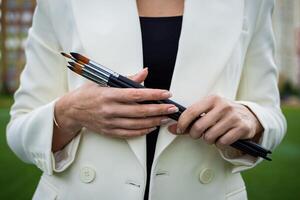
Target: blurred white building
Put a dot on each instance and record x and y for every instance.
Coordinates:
(15, 17)
(286, 20)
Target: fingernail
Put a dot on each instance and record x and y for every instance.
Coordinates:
(167, 94)
(178, 131)
(165, 121)
(152, 129)
(173, 110)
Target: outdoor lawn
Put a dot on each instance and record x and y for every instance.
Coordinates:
(279, 179)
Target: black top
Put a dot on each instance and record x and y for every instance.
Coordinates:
(160, 36)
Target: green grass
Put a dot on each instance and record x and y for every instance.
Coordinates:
(17, 179)
(279, 179)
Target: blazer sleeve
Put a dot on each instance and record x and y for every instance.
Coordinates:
(42, 82)
(258, 89)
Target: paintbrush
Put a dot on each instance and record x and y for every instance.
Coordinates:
(106, 77)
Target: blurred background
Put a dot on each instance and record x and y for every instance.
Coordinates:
(279, 179)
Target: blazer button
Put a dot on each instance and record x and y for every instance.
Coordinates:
(206, 175)
(87, 174)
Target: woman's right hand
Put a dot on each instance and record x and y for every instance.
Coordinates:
(113, 111)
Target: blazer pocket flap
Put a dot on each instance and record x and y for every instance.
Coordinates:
(239, 194)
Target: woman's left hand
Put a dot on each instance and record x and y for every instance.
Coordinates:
(222, 123)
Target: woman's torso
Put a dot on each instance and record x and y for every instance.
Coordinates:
(184, 166)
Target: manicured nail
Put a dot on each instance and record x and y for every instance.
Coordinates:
(167, 94)
(165, 121)
(178, 131)
(173, 110)
(152, 129)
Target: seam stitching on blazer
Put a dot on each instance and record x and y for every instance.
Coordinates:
(51, 23)
(41, 42)
(76, 27)
(54, 34)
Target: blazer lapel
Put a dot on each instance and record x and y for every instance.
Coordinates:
(210, 31)
(110, 33)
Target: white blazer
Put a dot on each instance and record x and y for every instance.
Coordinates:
(225, 48)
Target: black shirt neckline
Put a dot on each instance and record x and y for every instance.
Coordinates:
(161, 18)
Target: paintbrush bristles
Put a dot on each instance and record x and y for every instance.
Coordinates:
(72, 69)
(80, 57)
(77, 68)
(70, 57)
(66, 55)
(78, 61)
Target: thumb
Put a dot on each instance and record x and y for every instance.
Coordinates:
(140, 76)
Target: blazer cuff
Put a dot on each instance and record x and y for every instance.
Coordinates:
(38, 142)
(62, 159)
(35, 142)
(242, 162)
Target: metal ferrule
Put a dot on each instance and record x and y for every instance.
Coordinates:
(98, 69)
(107, 70)
(97, 75)
(94, 78)
(97, 72)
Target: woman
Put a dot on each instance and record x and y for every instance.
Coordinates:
(215, 57)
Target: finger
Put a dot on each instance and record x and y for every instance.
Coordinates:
(141, 110)
(140, 76)
(228, 138)
(204, 123)
(131, 95)
(136, 123)
(191, 114)
(127, 133)
(212, 134)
